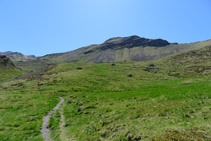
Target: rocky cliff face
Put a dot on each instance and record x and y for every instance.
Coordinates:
(129, 42)
(134, 41)
(5, 62)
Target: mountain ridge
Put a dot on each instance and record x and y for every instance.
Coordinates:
(17, 56)
(117, 49)
(101, 53)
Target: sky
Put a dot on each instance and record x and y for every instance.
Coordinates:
(41, 27)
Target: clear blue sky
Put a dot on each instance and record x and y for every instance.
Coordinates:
(50, 26)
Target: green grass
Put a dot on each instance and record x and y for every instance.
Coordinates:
(147, 112)
(54, 124)
(146, 105)
(7, 73)
(22, 108)
(103, 103)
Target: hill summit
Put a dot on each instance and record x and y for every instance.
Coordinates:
(117, 43)
(133, 41)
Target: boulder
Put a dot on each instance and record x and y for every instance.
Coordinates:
(130, 75)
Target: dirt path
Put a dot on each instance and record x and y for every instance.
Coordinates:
(45, 130)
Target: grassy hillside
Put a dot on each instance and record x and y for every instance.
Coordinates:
(104, 102)
(195, 63)
(8, 73)
(194, 57)
(109, 105)
(7, 69)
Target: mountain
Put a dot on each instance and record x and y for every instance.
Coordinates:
(131, 48)
(152, 100)
(118, 49)
(16, 56)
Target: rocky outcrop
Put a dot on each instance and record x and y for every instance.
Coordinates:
(135, 41)
(129, 42)
(5, 62)
(18, 57)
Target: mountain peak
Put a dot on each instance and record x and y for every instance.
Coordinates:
(132, 41)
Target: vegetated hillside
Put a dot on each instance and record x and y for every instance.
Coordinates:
(119, 49)
(16, 56)
(111, 101)
(7, 68)
(194, 57)
(188, 63)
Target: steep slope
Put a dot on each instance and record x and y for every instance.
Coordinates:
(16, 56)
(7, 68)
(5, 62)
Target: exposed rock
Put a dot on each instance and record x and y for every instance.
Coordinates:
(152, 68)
(79, 68)
(132, 41)
(130, 75)
(187, 116)
(69, 101)
(113, 64)
(79, 110)
(90, 107)
(61, 91)
(18, 84)
(205, 118)
(129, 136)
(128, 42)
(79, 104)
(104, 123)
(5, 62)
(104, 134)
(137, 138)
(151, 65)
